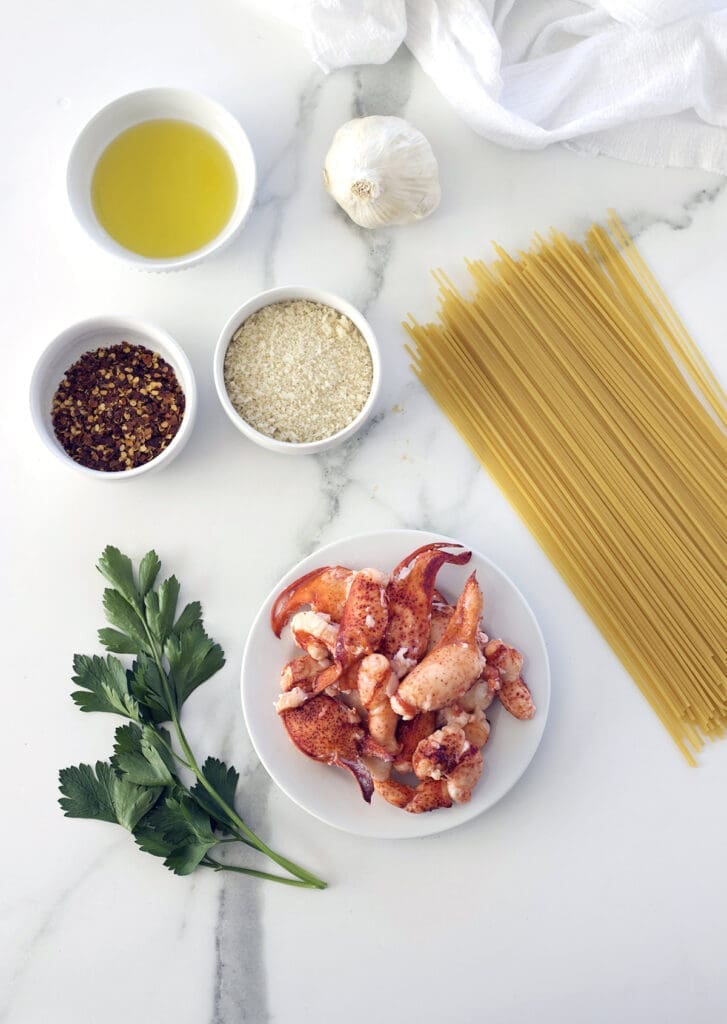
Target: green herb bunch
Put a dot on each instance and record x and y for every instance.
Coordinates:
(141, 787)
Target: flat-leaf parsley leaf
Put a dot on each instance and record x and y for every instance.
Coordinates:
(143, 787)
(104, 795)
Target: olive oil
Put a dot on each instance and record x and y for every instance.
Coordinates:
(164, 188)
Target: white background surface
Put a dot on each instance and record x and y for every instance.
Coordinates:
(595, 891)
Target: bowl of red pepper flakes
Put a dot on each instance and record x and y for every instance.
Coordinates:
(114, 397)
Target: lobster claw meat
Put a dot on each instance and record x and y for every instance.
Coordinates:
(301, 671)
(362, 624)
(409, 734)
(514, 694)
(448, 755)
(325, 590)
(429, 795)
(409, 595)
(330, 732)
(314, 633)
(364, 618)
(450, 668)
(376, 682)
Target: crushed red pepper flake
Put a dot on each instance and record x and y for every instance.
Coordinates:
(117, 407)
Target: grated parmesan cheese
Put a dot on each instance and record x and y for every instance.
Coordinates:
(298, 371)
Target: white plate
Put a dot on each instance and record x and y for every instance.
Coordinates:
(331, 794)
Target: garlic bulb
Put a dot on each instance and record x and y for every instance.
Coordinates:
(381, 170)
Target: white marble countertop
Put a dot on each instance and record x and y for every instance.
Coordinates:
(595, 891)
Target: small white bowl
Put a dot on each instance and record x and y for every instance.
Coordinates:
(147, 105)
(286, 294)
(86, 336)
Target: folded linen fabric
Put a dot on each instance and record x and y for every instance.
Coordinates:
(643, 80)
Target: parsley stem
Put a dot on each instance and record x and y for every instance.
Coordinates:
(172, 751)
(209, 862)
(237, 838)
(245, 834)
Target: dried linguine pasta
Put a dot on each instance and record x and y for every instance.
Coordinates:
(574, 382)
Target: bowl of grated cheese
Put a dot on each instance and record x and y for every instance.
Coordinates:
(297, 370)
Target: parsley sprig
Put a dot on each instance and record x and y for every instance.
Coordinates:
(140, 787)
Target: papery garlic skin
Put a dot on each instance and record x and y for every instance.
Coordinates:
(382, 171)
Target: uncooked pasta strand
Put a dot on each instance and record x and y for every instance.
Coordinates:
(575, 383)
(689, 732)
(685, 347)
(642, 509)
(616, 424)
(620, 569)
(536, 514)
(645, 511)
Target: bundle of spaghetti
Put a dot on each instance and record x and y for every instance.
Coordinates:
(574, 382)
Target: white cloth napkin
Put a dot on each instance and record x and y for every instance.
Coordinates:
(643, 80)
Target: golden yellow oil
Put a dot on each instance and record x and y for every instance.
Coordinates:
(164, 188)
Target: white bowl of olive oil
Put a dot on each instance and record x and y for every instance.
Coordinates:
(162, 178)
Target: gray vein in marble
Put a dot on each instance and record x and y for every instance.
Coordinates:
(240, 989)
(638, 223)
(383, 89)
(424, 516)
(288, 163)
(50, 919)
(380, 89)
(189, 894)
(461, 507)
(378, 257)
(335, 468)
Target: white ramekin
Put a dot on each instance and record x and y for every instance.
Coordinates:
(86, 336)
(147, 105)
(285, 294)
